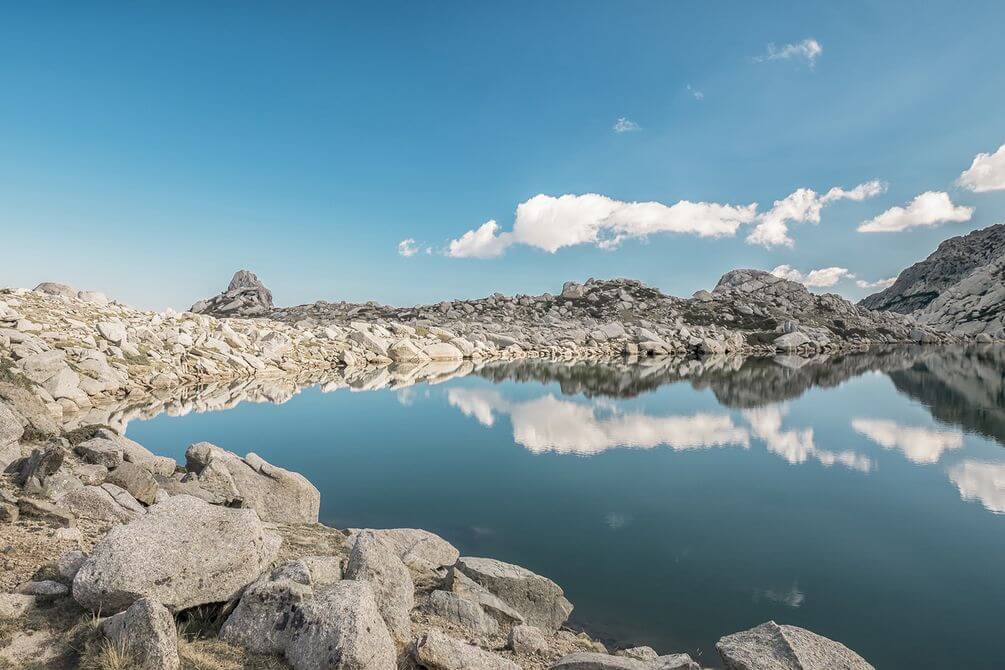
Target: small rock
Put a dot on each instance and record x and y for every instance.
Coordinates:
(147, 634)
(464, 613)
(437, 651)
(46, 589)
(527, 640)
(540, 600)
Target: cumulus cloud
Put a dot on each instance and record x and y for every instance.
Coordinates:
(878, 284)
(809, 50)
(981, 481)
(920, 445)
(931, 208)
(802, 206)
(986, 173)
(821, 278)
(551, 223)
(625, 125)
(484, 242)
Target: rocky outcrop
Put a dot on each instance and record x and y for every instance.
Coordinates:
(146, 634)
(919, 285)
(277, 495)
(774, 647)
(374, 560)
(183, 552)
(973, 306)
(246, 296)
(540, 601)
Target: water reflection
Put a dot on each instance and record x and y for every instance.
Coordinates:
(964, 388)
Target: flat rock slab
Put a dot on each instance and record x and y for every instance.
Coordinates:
(437, 651)
(774, 647)
(540, 600)
(182, 553)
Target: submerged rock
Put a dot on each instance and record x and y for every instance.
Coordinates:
(771, 646)
(182, 553)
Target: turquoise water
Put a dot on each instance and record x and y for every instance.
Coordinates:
(676, 509)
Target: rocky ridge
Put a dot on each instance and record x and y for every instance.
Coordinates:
(959, 288)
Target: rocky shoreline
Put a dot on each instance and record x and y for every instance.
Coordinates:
(115, 557)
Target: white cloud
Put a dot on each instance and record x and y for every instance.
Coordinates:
(821, 278)
(485, 242)
(408, 248)
(878, 284)
(986, 173)
(624, 125)
(981, 481)
(920, 445)
(550, 223)
(931, 208)
(809, 50)
(802, 206)
(695, 93)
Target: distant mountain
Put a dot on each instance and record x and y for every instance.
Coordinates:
(923, 282)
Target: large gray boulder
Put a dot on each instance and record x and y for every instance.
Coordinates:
(146, 633)
(342, 630)
(437, 651)
(136, 453)
(374, 560)
(426, 554)
(540, 600)
(468, 589)
(267, 615)
(278, 495)
(183, 552)
(102, 503)
(137, 481)
(775, 647)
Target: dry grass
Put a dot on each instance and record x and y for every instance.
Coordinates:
(217, 655)
(106, 655)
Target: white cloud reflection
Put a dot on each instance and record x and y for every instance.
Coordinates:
(920, 445)
(981, 481)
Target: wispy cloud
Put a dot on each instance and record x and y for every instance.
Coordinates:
(931, 208)
(821, 278)
(408, 248)
(625, 125)
(695, 93)
(986, 173)
(552, 223)
(809, 50)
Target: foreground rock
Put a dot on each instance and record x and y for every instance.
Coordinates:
(774, 647)
(437, 651)
(597, 661)
(540, 601)
(147, 635)
(277, 495)
(182, 553)
(427, 555)
(374, 560)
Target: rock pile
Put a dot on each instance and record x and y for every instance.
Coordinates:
(245, 297)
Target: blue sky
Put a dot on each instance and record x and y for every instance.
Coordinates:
(150, 149)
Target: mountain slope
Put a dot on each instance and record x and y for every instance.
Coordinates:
(923, 282)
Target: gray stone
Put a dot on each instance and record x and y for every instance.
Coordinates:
(774, 647)
(45, 510)
(268, 614)
(464, 613)
(136, 480)
(38, 467)
(426, 554)
(374, 560)
(278, 495)
(436, 651)
(540, 600)
(133, 452)
(97, 503)
(183, 552)
(639, 653)
(11, 427)
(468, 589)
(113, 331)
(527, 640)
(599, 661)
(342, 630)
(100, 451)
(790, 341)
(14, 605)
(573, 291)
(45, 589)
(69, 564)
(90, 475)
(54, 288)
(147, 634)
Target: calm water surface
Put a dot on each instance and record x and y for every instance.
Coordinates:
(861, 497)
